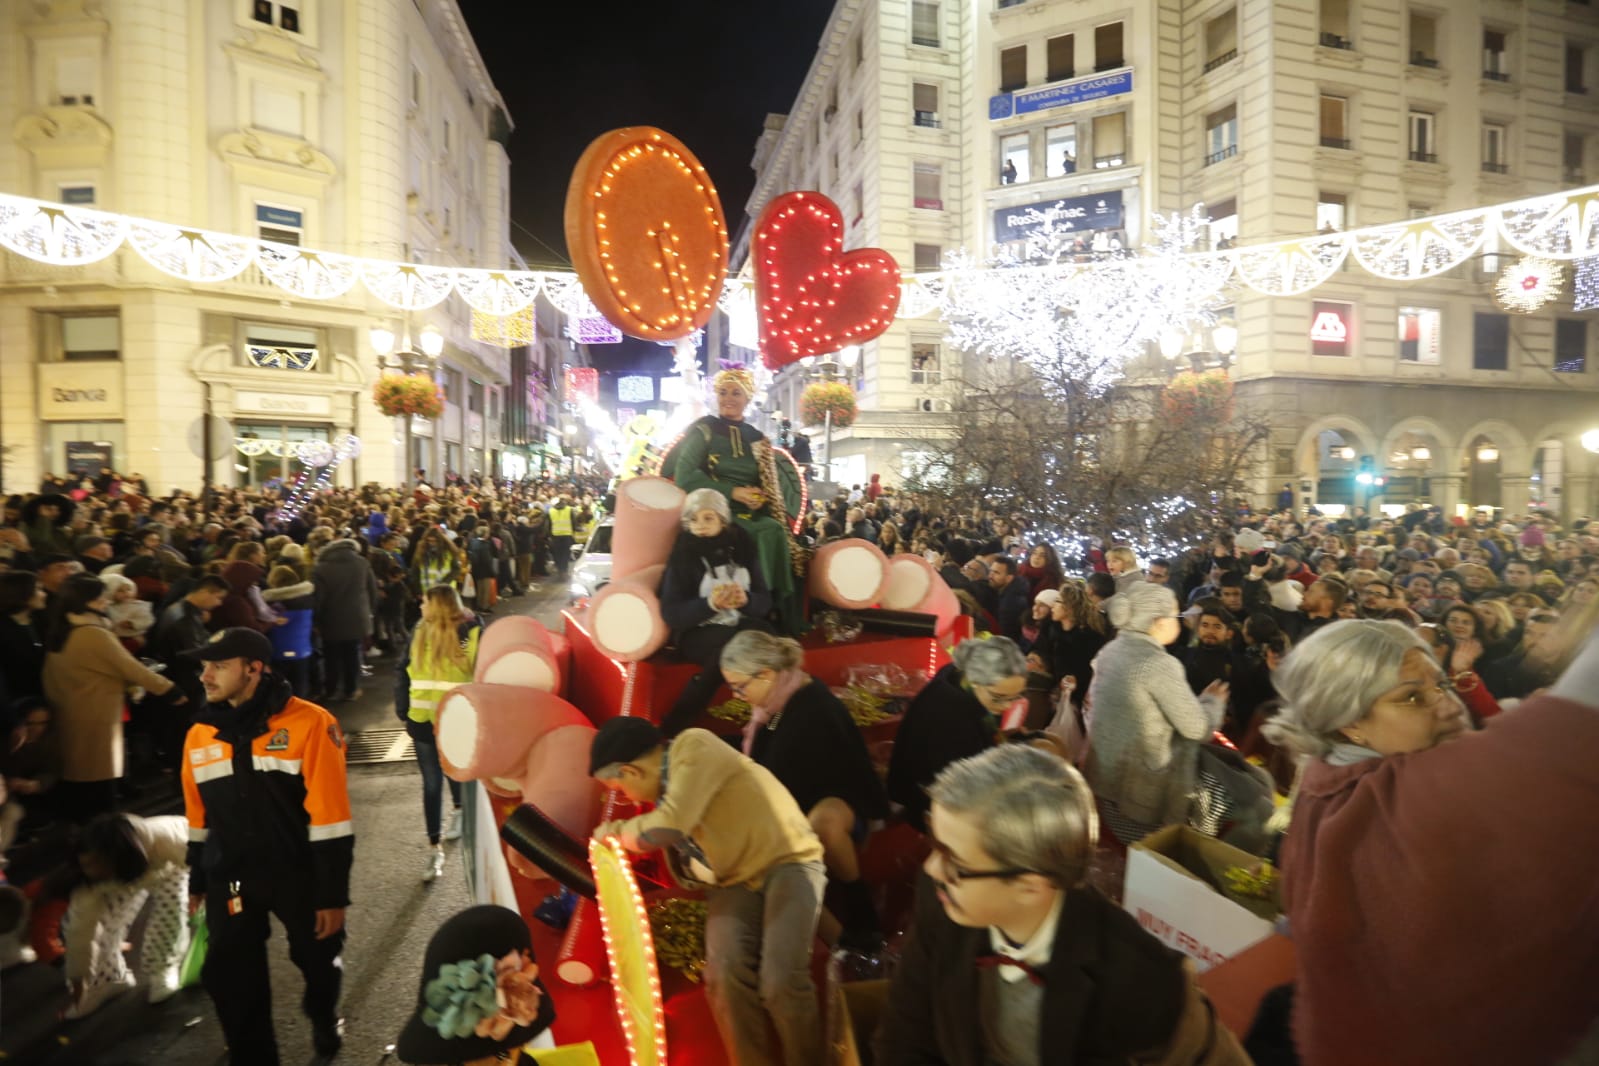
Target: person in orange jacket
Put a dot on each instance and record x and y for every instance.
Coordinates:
(269, 833)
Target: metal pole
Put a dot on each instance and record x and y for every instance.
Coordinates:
(828, 445)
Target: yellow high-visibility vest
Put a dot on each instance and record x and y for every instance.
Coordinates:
(560, 521)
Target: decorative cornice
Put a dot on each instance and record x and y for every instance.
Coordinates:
(56, 128)
(276, 50)
(288, 155)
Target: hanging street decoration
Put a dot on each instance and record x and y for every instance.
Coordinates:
(645, 230)
(582, 385)
(1585, 285)
(1561, 226)
(504, 331)
(1528, 284)
(811, 295)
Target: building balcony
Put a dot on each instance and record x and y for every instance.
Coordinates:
(1575, 176)
(1221, 60)
(927, 120)
(1342, 143)
(1495, 168)
(1226, 153)
(1496, 75)
(1423, 157)
(1333, 40)
(927, 203)
(1426, 61)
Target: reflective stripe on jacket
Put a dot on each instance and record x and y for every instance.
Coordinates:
(430, 681)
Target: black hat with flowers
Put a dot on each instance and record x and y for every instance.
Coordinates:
(479, 992)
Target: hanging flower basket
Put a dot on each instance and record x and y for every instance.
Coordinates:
(1205, 395)
(408, 394)
(825, 396)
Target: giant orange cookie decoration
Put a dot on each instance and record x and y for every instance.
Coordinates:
(645, 230)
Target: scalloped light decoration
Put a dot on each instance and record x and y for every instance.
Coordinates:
(1564, 226)
(504, 331)
(1527, 284)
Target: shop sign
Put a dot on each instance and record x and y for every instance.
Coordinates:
(1103, 211)
(80, 392)
(1061, 94)
(294, 404)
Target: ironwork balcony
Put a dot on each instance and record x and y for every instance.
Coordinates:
(927, 120)
(1495, 168)
(1333, 40)
(1226, 153)
(1422, 60)
(1221, 60)
(1335, 142)
(1496, 75)
(1423, 157)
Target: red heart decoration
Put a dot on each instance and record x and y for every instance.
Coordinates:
(812, 296)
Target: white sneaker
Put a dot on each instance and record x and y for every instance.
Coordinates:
(165, 985)
(435, 865)
(453, 830)
(96, 995)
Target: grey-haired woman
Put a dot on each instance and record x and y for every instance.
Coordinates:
(712, 589)
(956, 716)
(1411, 860)
(1145, 724)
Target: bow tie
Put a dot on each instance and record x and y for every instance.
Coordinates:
(991, 962)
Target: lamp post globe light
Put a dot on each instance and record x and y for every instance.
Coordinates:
(408, 360)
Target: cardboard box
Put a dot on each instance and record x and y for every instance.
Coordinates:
(856, 1009)
(1175, 888)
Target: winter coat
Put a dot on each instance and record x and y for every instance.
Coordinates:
(166, 844)
(297, 604)
(346, 592)
(944, 723)
(21, 657)
(1145, 727)
(244, 606)
(87, 682)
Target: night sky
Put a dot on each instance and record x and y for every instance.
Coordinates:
(707, 71)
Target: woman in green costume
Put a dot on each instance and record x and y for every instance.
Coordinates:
(725, 453)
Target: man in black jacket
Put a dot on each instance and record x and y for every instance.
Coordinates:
(269, 834)
(1012, 958)
(1014, 602)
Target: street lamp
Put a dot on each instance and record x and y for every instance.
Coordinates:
(1590, 440)
(409, 361)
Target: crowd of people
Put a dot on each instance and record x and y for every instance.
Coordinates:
(1287, 673)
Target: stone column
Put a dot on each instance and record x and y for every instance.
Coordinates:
(1577, 501)
(1514, 492)
(1445, 492)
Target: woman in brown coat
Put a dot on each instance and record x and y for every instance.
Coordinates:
(244, 605)
(87, 673)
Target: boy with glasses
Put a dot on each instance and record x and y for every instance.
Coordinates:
(1013, 959)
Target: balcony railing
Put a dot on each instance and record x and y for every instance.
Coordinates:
(1575, 176)
(1109, 162)
(927, 119)
(1421, 60)
(924, 38)
(1495, 168)
(1423, 157)
(927, 203)
(1333, 40)
(1226, 153)
(1221, 60)
(1335, 142)
(1102, 68)
(1496, 75)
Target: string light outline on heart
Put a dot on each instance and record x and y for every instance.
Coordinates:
(800, 323)
(636, 200)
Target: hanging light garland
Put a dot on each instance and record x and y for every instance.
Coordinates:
(1527, 284)
(504, 331)
(1562, 226)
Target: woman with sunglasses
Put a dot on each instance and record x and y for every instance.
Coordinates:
(1012, 958)
(1419, 938)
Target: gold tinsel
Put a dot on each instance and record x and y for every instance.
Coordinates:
(1252, 882)
(508, 331)
(678, 926)
(734, 710)
(865, 706)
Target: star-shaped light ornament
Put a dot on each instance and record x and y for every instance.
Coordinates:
(1527, 284)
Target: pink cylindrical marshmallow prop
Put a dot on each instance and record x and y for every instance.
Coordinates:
(487, 731)
(557, 781)
(913, 585)
(849, 573)
(625, 617)
(517, 650)
(649, 511)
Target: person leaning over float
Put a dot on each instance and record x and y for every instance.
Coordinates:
(726, 453)
(805, 736)
(711, 590)
(1406, 863)
(729, 826)
(1013, 959)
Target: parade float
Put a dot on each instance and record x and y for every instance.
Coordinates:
(624, 943)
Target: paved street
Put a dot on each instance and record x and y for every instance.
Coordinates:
(390, 921)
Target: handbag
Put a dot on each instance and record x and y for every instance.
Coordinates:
(1234, 800)
(1067, 725)
(194, 958)
(468, 587)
